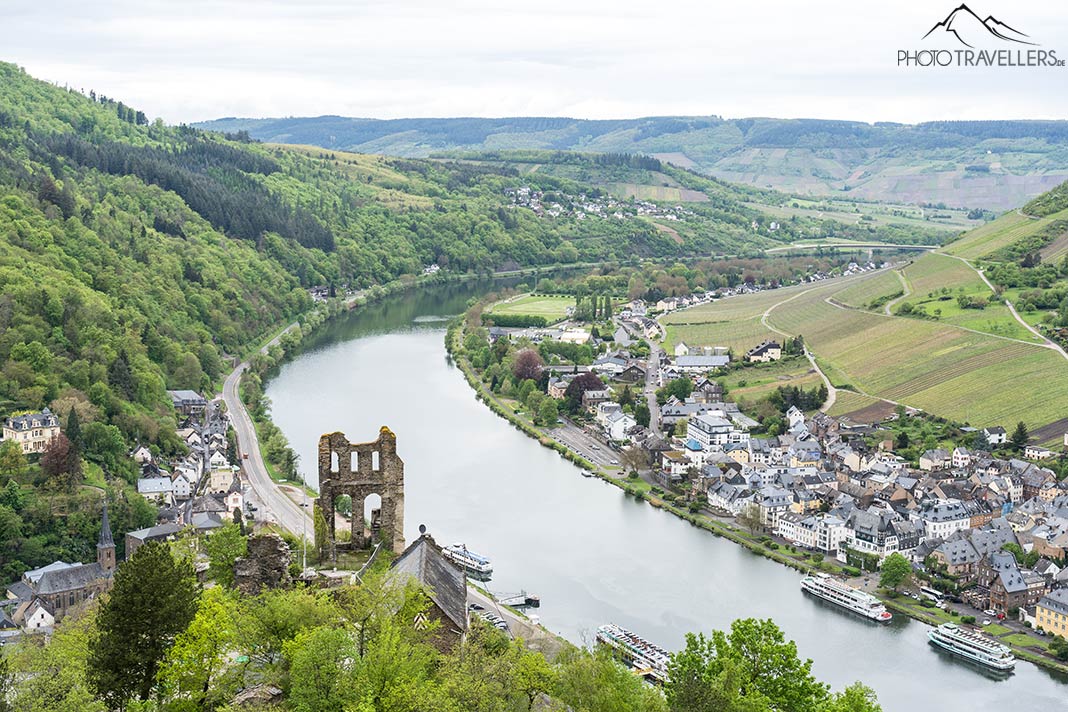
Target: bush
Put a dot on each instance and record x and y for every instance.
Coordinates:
(772, 545)
(967, 619)
(927, 603)
(850, 571)
(817, 558)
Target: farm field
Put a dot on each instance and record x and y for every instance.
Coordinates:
(551, 307)
(928, 365)
(755, 382)
(1000, 233)
(861, 294)
(663, 193)
(971, 377)
(850, 403)
(733, 322)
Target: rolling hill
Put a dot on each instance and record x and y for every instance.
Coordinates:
(994, 165)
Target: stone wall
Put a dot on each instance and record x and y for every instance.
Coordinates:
(361, 470)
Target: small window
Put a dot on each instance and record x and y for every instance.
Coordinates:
(354, 461)
(375, 464)
(334, 466)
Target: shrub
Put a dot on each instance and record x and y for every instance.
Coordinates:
(967, 619)
(850, 571)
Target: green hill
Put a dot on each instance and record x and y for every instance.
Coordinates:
(994, 165)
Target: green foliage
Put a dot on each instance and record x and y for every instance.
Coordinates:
(753, 667)
(191, 671)
(224, 546)
(153, 600)
(896, 570)
(1019, 436)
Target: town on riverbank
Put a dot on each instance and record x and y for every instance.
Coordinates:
(973, 521)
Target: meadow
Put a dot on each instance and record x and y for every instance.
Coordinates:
(553, 308)
(756, 382)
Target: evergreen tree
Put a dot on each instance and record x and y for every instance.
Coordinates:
(1020, 436)
(74, 429)
(153, 600)
(120, 376)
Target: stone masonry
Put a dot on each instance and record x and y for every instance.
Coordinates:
(361, 470)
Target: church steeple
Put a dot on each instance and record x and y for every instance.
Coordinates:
(105, 548)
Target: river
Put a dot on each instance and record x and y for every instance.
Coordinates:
(593, 554)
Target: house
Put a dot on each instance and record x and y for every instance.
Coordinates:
(631, 374)
(161, 532)
(681, 349)
(943, 518)
(142, 455)
(188, 402)
(764, 352)
(959, 557)
(591, 399)
(995, 436)
(773, 502)
(1051, 612)
(181, 486)
(36, 616)
(701, 363)
(1006, 583)
(443, 583)
(727, 497)
(822, 532)
(33, 431)
(1034, 452)
(714, 431)
(960, 458)
(880, 532)
(574, 336)
(557, 387)
(157, 489)
(937, 459)
(234, 499)
(618, 424)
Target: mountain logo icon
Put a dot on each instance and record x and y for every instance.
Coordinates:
(969, 29)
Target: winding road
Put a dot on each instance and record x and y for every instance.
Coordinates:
(277, 506)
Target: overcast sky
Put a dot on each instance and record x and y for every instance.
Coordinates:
(189, 60)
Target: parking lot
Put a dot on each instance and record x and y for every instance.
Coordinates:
(593, 449)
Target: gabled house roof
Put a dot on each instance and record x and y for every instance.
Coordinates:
(444, 582)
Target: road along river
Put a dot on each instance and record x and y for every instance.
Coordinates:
(593, 554)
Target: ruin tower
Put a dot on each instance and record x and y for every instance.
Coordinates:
(361, 470)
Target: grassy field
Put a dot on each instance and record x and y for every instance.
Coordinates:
(552, 308)
(733, 322)
(938, 280)
(662, 193)
(755, 382)
(861, 294)
(847, 402)
(1000, 233)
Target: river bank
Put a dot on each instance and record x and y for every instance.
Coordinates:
(764, 546)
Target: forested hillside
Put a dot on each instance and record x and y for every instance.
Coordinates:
(993, 165)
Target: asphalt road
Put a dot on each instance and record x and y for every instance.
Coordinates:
(275, 505)
(593, 449)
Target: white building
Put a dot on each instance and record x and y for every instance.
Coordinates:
(714, 431)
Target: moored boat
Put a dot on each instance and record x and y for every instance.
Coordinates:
(842, 594)
(972, 645)
(469, 560)
(645, 658)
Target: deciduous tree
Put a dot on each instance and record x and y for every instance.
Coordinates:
(896, 570)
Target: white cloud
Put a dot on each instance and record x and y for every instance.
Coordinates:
(192, 60)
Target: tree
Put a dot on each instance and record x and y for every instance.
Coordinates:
(61, 463)
(225, 545)
(896, 571)
(547, 412)
(1019, 436)
(626, 397)
(634, 458)
(322, 535)
(527, 365)
(749, 517)
(320, 661)
(153, 599)
(74, 429)
(753, 667)
(641, 414)
(13, 463)
(52, 677)
(578, 386)
(855, 698)
(902, 440)
(196, 661)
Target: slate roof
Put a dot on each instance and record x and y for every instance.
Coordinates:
(70, 579)
(160, 531)
(443, 580)
(1056, 600)
(45, 419)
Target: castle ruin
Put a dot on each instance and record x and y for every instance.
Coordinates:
(361, 470)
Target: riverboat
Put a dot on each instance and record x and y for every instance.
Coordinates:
(972, 645)
(834, 591)
(645, 658)
(469, 560)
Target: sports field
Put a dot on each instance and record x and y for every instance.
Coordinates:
(551, 307)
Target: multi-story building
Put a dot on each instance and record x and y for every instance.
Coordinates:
(33, 431)
(1051, 612)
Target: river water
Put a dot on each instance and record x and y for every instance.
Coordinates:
(593, 554)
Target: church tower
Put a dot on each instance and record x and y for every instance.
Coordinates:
(105, 548)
